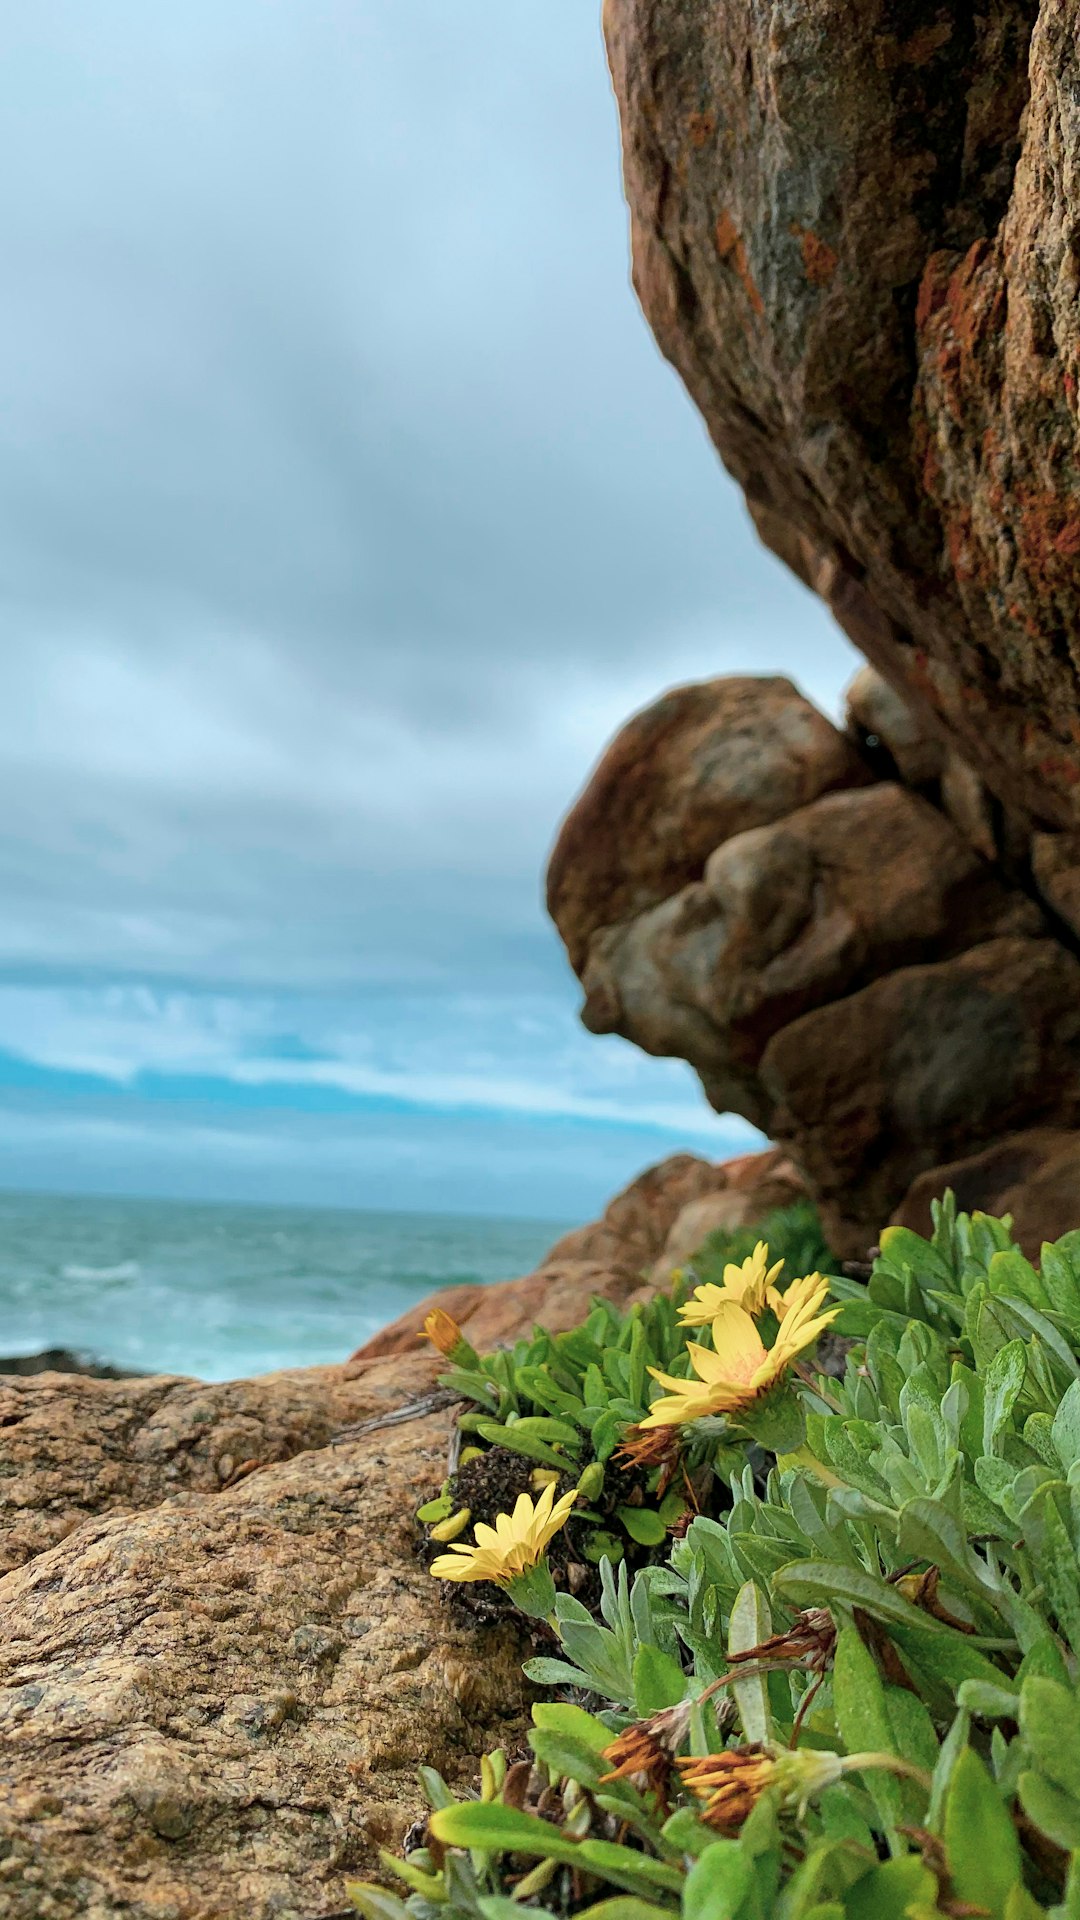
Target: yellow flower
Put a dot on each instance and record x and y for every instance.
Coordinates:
(740, 1369)
(799, 1291)
(749, 1287)
(442, 1331)
(514, 1544)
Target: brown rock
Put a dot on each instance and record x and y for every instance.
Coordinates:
(221, 1660)
(217, 1705)
(1033, 1176)
(775, 1182)
(877, 715)
(853, 237)
(922, 1067)
(701, 764)
(1055, 865)
(788, 918)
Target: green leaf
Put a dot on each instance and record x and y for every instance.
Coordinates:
(687, 1833)
(606, 1433)
(494, 1828)
(643, 1524)
(497, 1906)
(659, 1681)
(1051, 1727)
(823, 1583)
(569, 1758)
(557, 1716)
(1055, 1813)
(980, 1840)
(912, 1728)
(526, 1443)
(1051, 1548)
(749, 1625)
(1066, 1428)
(1003, 1381)
(862, 1715)
(928, 1531)
(623, 1907)
(438, 1509)
(375, 1903)
(718, 1883)
(892, 1891)
(435, 1790)
(544, 1672)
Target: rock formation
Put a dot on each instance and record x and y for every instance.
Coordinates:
(221, 1660)
(855, 236)
(828, 946)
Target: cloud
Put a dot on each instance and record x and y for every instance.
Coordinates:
(346, 508)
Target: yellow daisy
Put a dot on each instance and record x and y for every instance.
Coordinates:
(741, 1368)
(514, 1544)
(749, 1286)
(794, 1296)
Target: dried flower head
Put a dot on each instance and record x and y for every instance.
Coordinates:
(658, 1447)
(732, 1783)
(644, 1753)
(740, 1369)
(809, 1643)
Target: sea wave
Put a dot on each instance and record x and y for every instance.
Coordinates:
(124, 1270)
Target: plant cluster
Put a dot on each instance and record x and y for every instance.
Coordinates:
(847, 1688)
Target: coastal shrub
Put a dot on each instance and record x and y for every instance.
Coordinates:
(845, 1688)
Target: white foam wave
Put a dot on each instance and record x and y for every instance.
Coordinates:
(124, 1270)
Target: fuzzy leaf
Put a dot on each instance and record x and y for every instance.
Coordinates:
(1002, 1384)
(1066, 1428)
(374, 1902)
(1049, 1724)
(893, 1891)
(980, 1840)
(750, 1624)
(659, 1681)
(500, 1829)
(1054, 1812)
(718, 1883)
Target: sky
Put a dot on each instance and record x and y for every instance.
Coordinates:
(346, 510)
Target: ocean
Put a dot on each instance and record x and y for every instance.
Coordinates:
(222, 1291)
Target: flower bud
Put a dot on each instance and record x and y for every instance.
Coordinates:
(449, 1529)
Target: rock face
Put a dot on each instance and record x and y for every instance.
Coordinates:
(845, 968)
(854, 235)
(220, 1658)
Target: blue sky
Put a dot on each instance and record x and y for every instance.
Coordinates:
(346, 508)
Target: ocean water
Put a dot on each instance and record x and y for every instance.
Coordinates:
(223, 1291)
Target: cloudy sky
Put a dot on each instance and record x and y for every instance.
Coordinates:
(346, 508)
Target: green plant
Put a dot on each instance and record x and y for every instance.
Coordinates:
(850, 1691)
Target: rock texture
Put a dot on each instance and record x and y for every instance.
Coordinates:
(844, 967)
(854, 235)
(220, 1658)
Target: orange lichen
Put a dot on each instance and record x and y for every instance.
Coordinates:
(820, 261)
(732, 249)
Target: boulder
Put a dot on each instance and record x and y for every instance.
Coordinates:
(1034, 1176)
(221, 1657)
(702, 763)
(853, 235)
(853, 976)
